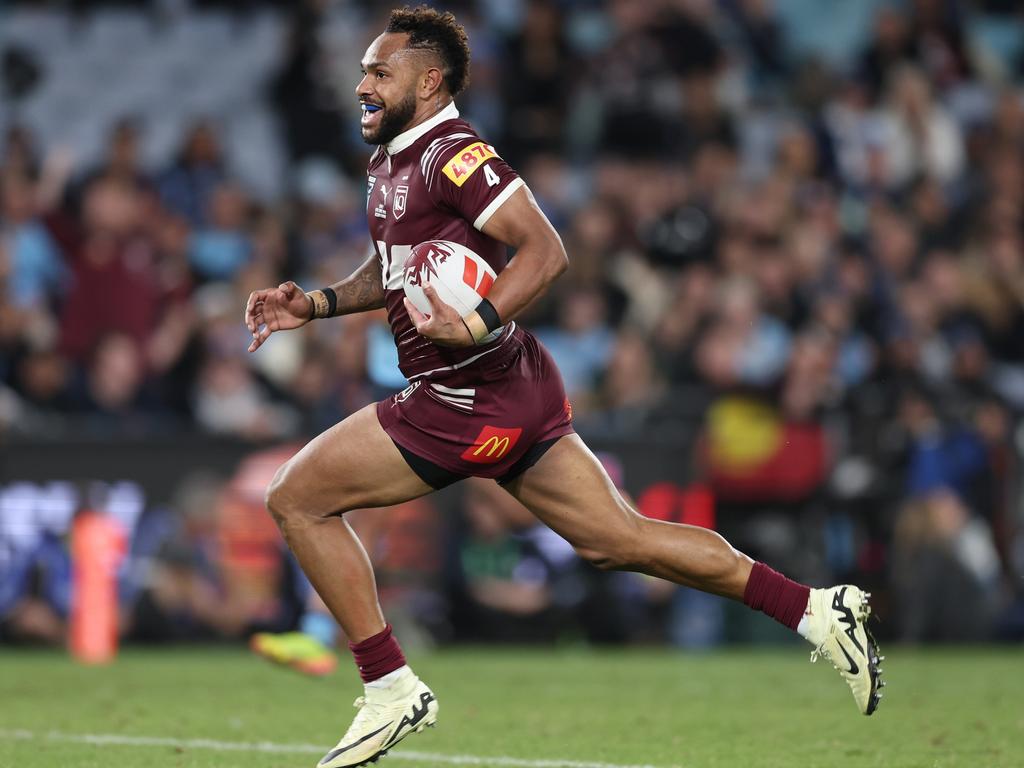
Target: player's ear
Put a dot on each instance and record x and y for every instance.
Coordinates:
(431, 82)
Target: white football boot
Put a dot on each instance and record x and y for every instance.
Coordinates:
(836, 624)
(385, 717)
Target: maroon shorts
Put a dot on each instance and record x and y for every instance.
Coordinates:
(492, 418)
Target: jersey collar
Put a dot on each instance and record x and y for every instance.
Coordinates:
(406, 139)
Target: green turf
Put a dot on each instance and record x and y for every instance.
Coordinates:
(731, 710)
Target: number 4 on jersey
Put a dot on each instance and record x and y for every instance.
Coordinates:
(491, 176)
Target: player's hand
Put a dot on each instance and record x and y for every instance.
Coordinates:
(276, 309)
(443, 325)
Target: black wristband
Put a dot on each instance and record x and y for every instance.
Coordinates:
(489, 315)
(332, 300)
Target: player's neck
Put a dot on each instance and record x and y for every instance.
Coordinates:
(420, 125)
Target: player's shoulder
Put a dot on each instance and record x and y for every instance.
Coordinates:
(449, 142)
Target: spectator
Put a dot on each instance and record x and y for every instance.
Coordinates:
(186, 187)
(229, 400)
(35, 265)
(534, 86)
(219, 250)
(122, 162)
(890, 47)
(581, 343)
(921, 137)
(514, 575)
(115, 284)
(744, 345)
(944, 572)
(113, 397)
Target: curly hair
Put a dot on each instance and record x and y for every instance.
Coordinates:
(439, 33)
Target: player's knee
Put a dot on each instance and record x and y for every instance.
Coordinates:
(282, 500)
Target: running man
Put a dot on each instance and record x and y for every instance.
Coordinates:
(495, 409)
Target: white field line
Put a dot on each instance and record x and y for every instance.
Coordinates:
(118, 740)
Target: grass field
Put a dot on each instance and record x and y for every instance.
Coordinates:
(532, 709)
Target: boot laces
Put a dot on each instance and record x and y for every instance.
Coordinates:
(367, 710)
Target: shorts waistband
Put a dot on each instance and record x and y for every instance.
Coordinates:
(505, 347)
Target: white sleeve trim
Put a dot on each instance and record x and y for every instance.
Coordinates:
(497, 202)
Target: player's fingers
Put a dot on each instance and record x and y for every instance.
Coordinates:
(418, 318)
(250, 305)
(257, 300)
(288, 289)
(261, 336)
(435, 301)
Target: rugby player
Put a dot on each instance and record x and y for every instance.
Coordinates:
(476, 404)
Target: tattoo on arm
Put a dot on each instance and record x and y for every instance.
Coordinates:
(362, 290)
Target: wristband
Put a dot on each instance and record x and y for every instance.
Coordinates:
(325, 302)
(482, 321)
(489, 315)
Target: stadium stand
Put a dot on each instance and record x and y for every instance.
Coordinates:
(797, 272)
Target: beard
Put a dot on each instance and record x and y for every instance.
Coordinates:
(392, 121)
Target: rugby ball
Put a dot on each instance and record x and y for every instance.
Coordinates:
(461, 277)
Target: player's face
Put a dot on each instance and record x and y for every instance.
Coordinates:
(387, 91)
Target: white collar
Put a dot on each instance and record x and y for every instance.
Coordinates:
(406, 139)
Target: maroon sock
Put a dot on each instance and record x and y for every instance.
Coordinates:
(376, 656)
(772, 593)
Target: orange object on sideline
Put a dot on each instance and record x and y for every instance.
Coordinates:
(98, 545)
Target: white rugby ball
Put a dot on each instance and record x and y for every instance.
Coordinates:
(461, 277)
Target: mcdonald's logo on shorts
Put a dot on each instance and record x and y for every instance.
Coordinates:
(492, 445)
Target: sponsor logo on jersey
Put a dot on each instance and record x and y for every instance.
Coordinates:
(398, 206)
(465, 163)
(370, 182)
(492, 445)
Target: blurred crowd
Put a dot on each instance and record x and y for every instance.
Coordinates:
(805, 268)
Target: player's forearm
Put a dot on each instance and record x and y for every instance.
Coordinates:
(537, 263)
(361, 291)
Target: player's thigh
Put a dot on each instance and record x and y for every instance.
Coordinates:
(352, 465)
(569, 491)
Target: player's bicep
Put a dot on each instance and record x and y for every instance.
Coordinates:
(517, 219)
(539, 254)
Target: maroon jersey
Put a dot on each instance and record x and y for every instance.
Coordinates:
(489, 410)
(436, 181)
